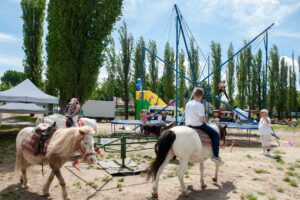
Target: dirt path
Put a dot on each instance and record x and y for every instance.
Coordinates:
(246, 173)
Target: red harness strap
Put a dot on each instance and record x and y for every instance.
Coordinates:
(84, 155)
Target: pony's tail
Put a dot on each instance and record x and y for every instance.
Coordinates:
(162, 147)
(18, 160)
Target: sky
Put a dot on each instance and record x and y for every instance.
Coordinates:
(222, 21)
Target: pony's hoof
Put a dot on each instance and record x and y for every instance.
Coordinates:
(154, 195)
(25, 186)
(215, 180)
(187, 192)
(203, 186)
(67, 198)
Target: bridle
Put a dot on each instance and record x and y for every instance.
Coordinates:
(82, 152)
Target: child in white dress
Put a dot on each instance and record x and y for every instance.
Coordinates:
(264, 129)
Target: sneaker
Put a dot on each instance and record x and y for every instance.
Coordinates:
(217, 160)
(263, 153)
(267, 153)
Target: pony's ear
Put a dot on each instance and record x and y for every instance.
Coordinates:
(86, 130)
(225, 126)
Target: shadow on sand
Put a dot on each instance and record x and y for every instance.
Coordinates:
(16, 192)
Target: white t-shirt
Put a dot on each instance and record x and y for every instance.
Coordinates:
(193, 111)
(263, 127)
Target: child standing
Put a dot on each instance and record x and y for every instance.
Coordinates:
(144, 116)
(264, 129)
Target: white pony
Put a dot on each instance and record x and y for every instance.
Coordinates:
(63, 143)
(61, 121)
(185, 144)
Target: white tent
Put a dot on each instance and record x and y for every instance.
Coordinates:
(27, 92)
(22, 108)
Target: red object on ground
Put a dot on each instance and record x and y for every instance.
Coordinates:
(233, 143)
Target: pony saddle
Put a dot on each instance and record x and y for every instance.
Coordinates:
(205, 139)
(69, 122)
(37, 141)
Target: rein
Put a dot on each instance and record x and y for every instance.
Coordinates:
(84, 154)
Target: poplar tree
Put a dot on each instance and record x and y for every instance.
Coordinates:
(111, 67)
(216, 78)
(153, 68)
(292, 90)
(230, 75)
(124, 68)
(33, 19)
(182, 81)
(242, 79)
(282, 101)
(194, 70)
(78, 33)
(260, 74)
(273, 79)
(137, 62)
(169, 74)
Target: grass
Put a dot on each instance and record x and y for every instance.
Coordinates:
(249, 156)
(78, 185)
(89, 167)
(256, 179)
(248, 197)
(121, 180)
(279, 159)
(286, 128)
(119, 186)
(291, 168)
(280, 190)
(24, 118)
(109, 156)
(272, 198)
(287, 179)
(187, 176)
(298, 160)
(291, 173)
(293, 183)
(9, 196)
(261, 193)
(277, 152)
(261, 171)
(148, 158)
(171, 174)
(106, 178)
(280, 168)
(92, 184)
(7, 127)
(296, 166)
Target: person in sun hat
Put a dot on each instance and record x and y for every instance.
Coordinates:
(264, 129)
(73, 112)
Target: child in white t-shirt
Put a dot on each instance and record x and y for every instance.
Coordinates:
(264, 129)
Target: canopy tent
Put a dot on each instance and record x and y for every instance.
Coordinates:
(26, 91)
(22, 108)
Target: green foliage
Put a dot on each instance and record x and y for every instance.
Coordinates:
(153, 67)
(126, 41)
(182, 81)
(282, 97)
(5, 86)
(216, 62)
(12, 78)
(78, 33)
(261, 171)
(194, 69)
(169, 74)
(273, 79)
(33, 18)
(243, 84)
(248, 197)
(230, 75)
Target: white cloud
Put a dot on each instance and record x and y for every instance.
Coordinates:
(247, 16)
(287, 34)
(4, 37)
(11, 61)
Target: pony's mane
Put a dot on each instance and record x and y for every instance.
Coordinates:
(64, 142)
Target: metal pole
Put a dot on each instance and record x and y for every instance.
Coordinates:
(266, 71)
(177, 42)
(142, 96)
(237, 52)
(123, 150)
(185, 43)
(208, 65)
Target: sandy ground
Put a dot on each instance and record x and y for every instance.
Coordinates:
(245, 173)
